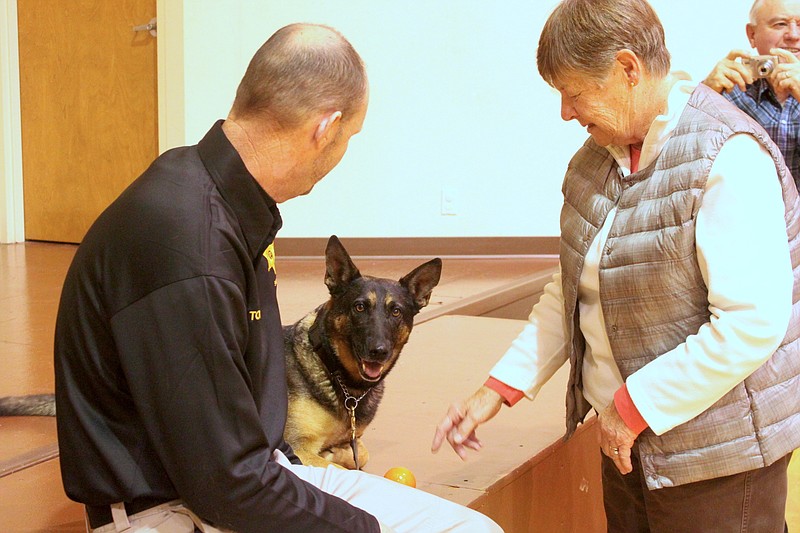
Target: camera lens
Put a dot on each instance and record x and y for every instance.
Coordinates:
(765, 67)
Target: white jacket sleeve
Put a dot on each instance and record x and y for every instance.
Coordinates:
(743, 252)
(538, 351)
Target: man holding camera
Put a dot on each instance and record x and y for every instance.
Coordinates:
(767, 87)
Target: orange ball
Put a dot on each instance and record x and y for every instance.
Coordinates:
(401, 475)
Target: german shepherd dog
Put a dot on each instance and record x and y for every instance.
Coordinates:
(338, 355)
(336, 359)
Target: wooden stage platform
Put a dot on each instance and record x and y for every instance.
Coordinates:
(457, 338)
(526, 477)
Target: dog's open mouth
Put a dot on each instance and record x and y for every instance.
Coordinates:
(371, 371)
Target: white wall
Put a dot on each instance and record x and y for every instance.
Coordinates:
(456, 105)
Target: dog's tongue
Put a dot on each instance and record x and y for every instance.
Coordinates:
(372, 370)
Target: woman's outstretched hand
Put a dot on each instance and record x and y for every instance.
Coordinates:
(463, 418)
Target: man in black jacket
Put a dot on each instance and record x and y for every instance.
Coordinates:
(170, 378)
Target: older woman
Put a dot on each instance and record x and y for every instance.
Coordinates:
(675, 302)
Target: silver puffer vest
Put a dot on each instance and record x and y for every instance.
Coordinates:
(654, 297)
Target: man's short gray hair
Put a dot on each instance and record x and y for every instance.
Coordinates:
(302, 69)
(754, 11)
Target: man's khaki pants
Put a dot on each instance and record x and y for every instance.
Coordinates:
(172, 517)
(397, 507)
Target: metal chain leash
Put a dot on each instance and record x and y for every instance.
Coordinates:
(351, 403)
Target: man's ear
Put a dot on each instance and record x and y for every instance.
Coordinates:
(751, 33)
(327, 127)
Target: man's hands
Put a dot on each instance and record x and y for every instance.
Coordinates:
(616, 439)
(785, 79)
(462, 419)
(730, 73)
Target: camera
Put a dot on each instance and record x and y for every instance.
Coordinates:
(761, 66)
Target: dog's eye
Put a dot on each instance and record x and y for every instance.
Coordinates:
(396, 312)
(359, 307)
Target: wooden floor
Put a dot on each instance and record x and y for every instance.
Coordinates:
(31, 275)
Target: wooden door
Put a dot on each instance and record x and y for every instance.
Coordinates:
(88, 98)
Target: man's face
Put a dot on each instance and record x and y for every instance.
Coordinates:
(777, 26)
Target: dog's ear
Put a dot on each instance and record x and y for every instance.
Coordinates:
(421, 281)
(339, 268)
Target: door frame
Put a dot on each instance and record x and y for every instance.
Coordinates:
(171, 103)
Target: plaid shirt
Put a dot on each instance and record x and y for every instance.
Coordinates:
(781, 122)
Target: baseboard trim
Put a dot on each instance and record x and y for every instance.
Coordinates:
(422, 246)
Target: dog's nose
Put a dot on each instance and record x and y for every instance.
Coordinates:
(378, 352)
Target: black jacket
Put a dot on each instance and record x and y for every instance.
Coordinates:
(170, 379)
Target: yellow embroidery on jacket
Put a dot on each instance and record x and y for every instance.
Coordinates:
(269, 254)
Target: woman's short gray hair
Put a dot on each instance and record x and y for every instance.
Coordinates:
(584, 36)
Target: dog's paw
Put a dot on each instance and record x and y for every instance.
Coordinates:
(327, 455)
(343, 455)
(363, 454)
(313, 459)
